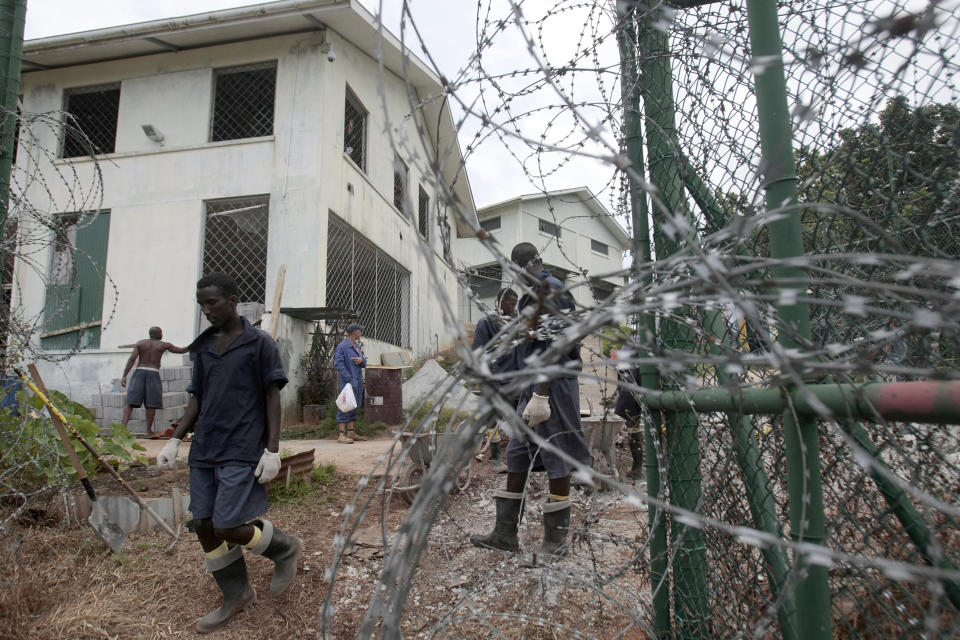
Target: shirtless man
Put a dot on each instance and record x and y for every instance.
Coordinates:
(145, 387)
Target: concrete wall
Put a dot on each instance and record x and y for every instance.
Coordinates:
(155, 193)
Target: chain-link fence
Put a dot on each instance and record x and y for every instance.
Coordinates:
(785, 494)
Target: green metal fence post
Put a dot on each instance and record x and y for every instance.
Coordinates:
(691, 606)
(630, 92)
(763, 507)
(12, 17)
(804, 481)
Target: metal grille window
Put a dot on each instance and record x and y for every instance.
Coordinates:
(485, 281)
(355, 130)
(401, 175)
(490, 224)
(548, 227)
(599, 247)
(423, 214)
(243, 102)
(92, 125)
(601, 289)
(235, 242)
(365, 280)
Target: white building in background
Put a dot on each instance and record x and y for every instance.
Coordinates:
(579, 240)
(245, 140)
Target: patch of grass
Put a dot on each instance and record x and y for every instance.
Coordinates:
(327, 428)
(310, 487)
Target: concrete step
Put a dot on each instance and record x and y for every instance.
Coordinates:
(138, 424)
(119, 399)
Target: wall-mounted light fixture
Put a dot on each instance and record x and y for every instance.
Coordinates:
(151, 132)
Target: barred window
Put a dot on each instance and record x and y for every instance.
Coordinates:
(601, 289)
(548, 227)
(235, 242)
(365, 280)
(423, 214)
(490, 224)
(599, 247)
(485, 281)
(92, 122)
(243, 102)
(401, 174)
(355, 130)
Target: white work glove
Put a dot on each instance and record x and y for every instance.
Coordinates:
(168, 455)
(268, 467)
(537, 410)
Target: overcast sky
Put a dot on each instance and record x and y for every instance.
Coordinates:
(448, 28)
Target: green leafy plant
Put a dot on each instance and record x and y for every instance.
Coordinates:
(34, 452)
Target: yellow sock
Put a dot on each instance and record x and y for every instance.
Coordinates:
(255, 540)
(555, 498)
(219, 551)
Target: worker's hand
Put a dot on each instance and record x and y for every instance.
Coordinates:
(123, 381)
(357, 360)
(268, 467)
(537, 410)
(168, 455)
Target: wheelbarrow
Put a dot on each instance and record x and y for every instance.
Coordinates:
(422, 449)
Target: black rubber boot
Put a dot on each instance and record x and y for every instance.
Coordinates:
(556, 524)
(504, 534)
(230, 572)
(636, 452)
(498, 465)
(284, 550)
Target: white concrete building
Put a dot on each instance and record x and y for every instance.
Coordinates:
(243, 140)
(579, 241)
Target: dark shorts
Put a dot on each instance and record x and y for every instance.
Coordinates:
(145, 387)
(562, 429)
(230, 494)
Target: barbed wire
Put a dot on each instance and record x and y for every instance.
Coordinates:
(876, 127)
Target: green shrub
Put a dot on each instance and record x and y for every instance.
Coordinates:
(34, 454)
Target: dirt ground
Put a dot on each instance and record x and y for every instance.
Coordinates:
(61, 582)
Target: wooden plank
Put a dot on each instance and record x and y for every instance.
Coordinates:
(278, 296)
(76, 327)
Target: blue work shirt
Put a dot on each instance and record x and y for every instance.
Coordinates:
(486, 329)
(557, 301)
(231, 389)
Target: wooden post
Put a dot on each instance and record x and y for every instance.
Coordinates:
(278, 295)
(177, 507)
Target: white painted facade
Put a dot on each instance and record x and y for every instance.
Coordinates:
(583, 222)
(156, 192)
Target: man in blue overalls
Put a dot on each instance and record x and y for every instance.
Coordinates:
(349, 362)
(551, 409)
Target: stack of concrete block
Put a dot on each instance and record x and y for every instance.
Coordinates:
(108, 407)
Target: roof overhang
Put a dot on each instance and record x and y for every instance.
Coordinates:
(347, 18)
